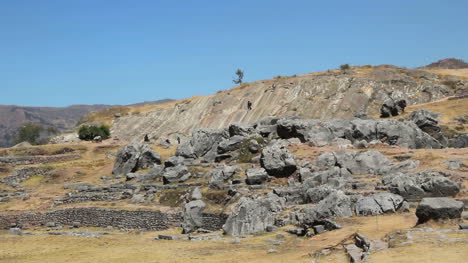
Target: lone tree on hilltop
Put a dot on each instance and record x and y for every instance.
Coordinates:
(240, 76)
(345, 67)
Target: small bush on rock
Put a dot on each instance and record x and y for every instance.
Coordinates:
(89, 132)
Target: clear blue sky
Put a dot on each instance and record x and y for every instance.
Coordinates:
(56, 53)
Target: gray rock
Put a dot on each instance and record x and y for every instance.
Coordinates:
(222, 173)
(392, 107)
(438, 208)
(15, 231)
(252, 216)
(368, 162)
(277, 160)
(174, 161)
(378, 203)
(336, 204)
(193, 216)
(422, 184)
(254, 146)
(241, 129)
(461, 141)
(196, 194)
(354, 253)
(319, 229)
(256, 176)
(463, 226)
(426, 121)
(135, 156)
(230, 144)
(203, 144)
(175, 174)
(454, 164)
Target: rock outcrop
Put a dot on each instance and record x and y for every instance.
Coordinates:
(135, 156)
(252, 216)
(438, 208)
(415, 186)
(324, 95)
(277, 160)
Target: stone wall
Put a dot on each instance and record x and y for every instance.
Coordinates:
(100, 217)
(25, 160)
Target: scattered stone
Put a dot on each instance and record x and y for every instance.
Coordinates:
(179, 173)
(319, 229)
(270, 251)
(463, 226)
(193, 216)
(15, 231)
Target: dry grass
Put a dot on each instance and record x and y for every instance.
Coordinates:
(138, 247)
(463, 73)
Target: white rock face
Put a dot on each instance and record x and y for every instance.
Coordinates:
(311, 96)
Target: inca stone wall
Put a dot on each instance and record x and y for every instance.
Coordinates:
(100, 217)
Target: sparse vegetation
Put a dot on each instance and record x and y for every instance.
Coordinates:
(29, 132)
(240, 76)
(89, 132)
(345, 67)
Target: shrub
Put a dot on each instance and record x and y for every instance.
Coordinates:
(89, 132)
(345, 67)
(29, 132)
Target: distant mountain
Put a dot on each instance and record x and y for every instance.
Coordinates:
(448, 63)
(62, 118)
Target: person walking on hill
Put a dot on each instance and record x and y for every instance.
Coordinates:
(249, 105)
(178, 140)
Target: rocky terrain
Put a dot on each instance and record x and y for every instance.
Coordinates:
(288, 188)
(448, 63)
(325, 95)
(312, 173)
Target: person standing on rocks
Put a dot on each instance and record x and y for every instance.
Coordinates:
(249, 105)
(178, 140)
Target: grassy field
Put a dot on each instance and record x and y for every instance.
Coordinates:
(140, 247)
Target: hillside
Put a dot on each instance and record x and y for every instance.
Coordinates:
(448, 63)
(323, 95)
(62, 118)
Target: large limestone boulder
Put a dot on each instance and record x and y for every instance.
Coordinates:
(135, 156)
(426, 121)
(379, 203)
(392, 107)
(230, 144)
(313, 131)
(336, 204)
(203, 144)
(222, 173)
(176, 174)
(460, 141)
(193, 212)
(256, 176)
(368, 162)
(419, 185)
(277, 160)
(438, 208)
(252, 216)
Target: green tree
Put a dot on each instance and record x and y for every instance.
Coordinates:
(29, 132)
(240, 76)
(89, 132)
